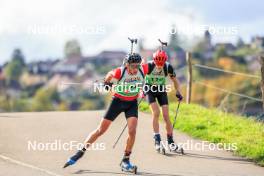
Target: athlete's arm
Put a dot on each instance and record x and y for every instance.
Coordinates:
(176, 84)
(108, 77)
(172, 75)
(113, 74)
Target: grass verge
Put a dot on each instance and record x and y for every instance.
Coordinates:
(219, 127)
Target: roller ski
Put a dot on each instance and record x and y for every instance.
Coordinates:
(72, 160)
(173, 147)
(158, 144)
(126, 166)
(160, 149)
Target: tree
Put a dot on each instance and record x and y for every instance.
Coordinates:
(45, 99)
(204, 45)
(18, 55)
(88, 105)
(220, 52)
(207, 40)
(240, 43)
(14, 68)
(72, 49)
(262, 77)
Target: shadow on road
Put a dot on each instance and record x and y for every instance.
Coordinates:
(120, 173)
(210, 157)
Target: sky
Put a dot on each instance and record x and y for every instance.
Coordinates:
(41, 28)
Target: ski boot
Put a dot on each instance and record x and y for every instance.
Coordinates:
(72, 160)
(158, 144)
(173, 147)
(126, 166)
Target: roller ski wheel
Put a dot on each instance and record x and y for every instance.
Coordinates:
(182, 151)
(160, 149)
(72, 160)
(158, 144)
(126, 166)
(177, 149)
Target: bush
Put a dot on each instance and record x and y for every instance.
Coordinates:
(45, 100)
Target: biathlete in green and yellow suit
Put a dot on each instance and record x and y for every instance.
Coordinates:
(158, 70)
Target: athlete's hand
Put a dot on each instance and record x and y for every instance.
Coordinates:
(142, 94)
(179, 96)
(108, 85)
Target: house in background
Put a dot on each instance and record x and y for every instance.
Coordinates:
(111, 58)
(68, 66)
(257, 42)
(42, 67)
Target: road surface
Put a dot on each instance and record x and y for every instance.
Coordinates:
(21, 132)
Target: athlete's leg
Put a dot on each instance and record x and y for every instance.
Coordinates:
(132, 128)
(165, 114)
(113, 111)
(100, 130)
(131, 113)
(103, 126)
(151, 98)
(155, 116)
(163, 102)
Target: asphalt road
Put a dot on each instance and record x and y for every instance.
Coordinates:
(21, 132)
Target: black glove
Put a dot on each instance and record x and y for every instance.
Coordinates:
(108, 85)
(179, 96)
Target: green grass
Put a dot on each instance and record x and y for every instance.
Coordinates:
(218, 127)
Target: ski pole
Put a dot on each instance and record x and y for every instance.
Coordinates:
(132, 41)
(132, 44)
(125, 127)
(177, 110)
(120, 136)
(162, 44)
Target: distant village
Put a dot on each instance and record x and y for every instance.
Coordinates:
(82, 70)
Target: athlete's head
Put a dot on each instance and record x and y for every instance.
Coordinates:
(160, 57)
(132, 62)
